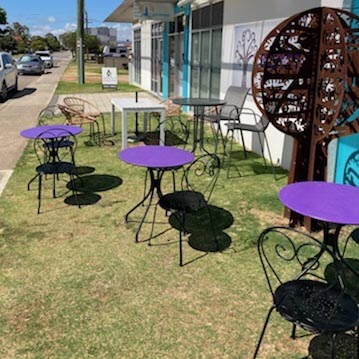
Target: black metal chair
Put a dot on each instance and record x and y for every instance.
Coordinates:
(235, 98)
(293, 266)
(258, 126)
(52, 158)
(194, 195)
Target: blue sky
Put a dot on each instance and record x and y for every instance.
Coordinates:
(58, 16)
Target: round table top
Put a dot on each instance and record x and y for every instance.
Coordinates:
(195, 101)
(51, 131)
(324, 201)
(156, 156)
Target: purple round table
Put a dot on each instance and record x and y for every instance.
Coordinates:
(157, 160)
(333, 205)
(323, 201)
(51, 131)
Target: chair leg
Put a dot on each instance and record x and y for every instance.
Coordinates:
(103, 124)
(262, 149)
(332, 345)
(153, 224)
(54, 185)
(74, 189)
(39, 194)
(263, 331)
(98, 133)
(243, 144)
(293, 335)
(230, 152)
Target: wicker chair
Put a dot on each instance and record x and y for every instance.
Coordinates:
(85, 107)
(74, 117)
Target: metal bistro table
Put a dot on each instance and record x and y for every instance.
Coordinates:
(199, 104)
(333, 205)
(54, 138)
(126, 105)
(157, 160)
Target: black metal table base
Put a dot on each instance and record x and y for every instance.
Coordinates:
(155, 188)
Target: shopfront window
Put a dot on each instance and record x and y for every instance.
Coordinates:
(207, 25)
(156, 58)
(137, 55)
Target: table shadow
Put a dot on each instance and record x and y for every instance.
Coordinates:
(95, 183)
(83, 199)
(83, 170)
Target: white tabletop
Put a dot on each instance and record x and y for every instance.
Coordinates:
(129, 104)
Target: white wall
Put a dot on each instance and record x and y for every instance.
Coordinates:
(260, 17)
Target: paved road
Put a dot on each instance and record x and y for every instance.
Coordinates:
(20, 111)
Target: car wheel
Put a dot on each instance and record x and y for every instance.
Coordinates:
(3, 93)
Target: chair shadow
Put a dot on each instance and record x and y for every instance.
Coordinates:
(346, 346)
(83, 199)
(88, 185)
(26, 91)
(351, 281)
(195, 222)
(83, 170)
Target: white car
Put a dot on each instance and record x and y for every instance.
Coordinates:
(8, 75)
(46, 58)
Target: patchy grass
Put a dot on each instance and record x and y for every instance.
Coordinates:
(68, 83)
(75, 285)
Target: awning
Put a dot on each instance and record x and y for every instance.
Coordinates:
(144, 9)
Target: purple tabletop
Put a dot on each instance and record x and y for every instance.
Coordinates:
(53, 131)
(156, 156)
(324, 201)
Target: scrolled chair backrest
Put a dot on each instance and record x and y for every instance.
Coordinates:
(75, 103)
(202, 175)
(287, 254)
(48, 115)
(55, 144)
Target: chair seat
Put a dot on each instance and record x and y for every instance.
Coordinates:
(55, 168)
(316, 307)
(183, 201)
(63, 143)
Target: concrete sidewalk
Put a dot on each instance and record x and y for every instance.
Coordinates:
(20, 112)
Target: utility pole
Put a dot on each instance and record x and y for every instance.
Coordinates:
(80, 41)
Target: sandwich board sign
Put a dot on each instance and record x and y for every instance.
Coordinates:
(109, 77)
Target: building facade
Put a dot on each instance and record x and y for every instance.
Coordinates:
(208, 46)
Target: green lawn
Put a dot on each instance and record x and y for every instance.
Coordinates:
(68, 84)
(75, 285)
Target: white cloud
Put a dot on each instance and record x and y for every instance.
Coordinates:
(51, 19)
(45, 29)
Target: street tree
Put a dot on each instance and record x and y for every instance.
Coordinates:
(52, 42)
(68, 40)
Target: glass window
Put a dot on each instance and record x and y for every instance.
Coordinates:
(206, 50)
(137, 55)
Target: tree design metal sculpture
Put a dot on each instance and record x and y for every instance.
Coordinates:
(304, 80)
(245, 51)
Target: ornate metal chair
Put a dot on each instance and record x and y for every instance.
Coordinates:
(258, 126)
(235, 97)
(194, 195)
(86, 108)
(177, 131)
(52, 162)
(74, 117)
(293, 266)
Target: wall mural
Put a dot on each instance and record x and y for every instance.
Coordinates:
(304, 80)
(246, 40)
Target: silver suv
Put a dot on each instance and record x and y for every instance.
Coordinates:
(8, 75)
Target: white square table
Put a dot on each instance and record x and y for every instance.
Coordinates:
(126, 105)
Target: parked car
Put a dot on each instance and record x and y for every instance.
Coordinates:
(30, 64)
(8, 75)
(46, 57)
